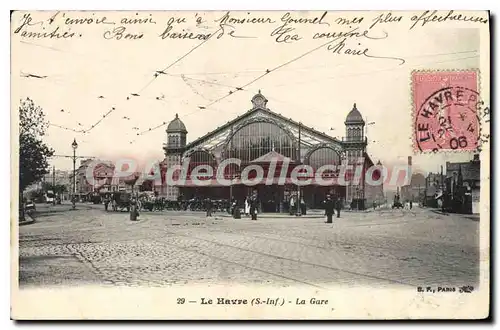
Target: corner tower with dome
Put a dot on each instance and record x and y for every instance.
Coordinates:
(257, 136)
(173, 148)
(355, 145)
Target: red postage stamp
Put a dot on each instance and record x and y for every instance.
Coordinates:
(446, 108)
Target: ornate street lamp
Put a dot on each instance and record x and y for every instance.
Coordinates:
(300, 160)
(74, 145)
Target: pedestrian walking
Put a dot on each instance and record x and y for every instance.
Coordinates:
(411, 205)
(107, 200)
(338, 206)
(329, 208)
(253, 206)
(292, 205)
(208, 205)
(302, 206)
(247, 206)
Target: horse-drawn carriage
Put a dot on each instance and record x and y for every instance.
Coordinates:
(149, 201)
(121, 200)
(397, 202)
(95, 198)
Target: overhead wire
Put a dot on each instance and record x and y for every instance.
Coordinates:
(141, 90)
(236, 89)
(349, 75)
(268, 71)
(157, 74)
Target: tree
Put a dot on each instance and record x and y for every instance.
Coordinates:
(57, 188)
(33, 152)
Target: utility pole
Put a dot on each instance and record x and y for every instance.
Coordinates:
(230, 172)
(442, 190)
(74, 157)
(54, 184)
(348, 183)
(74, 179)
(299, 161)
(74, 145)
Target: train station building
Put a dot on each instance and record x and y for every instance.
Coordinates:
(261, 136)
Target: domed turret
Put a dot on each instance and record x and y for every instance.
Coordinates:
(176, 126)
(176, 142)
(354, 116)
(355, 125)
(176, 134)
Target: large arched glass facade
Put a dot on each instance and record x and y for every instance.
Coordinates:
(257, 139)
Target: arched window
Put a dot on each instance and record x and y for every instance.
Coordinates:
(258, 138)
(202, 157)
(323, 156)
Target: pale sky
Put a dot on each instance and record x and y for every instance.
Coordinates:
(318, 89)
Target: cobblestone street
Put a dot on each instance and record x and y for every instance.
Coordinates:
(378, 248)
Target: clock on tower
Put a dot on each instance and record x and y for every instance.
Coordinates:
(259, 101)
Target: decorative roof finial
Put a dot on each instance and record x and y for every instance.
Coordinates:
(176, 115)
(354, 106)
(259, 101)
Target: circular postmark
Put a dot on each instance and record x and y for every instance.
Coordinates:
(448, 119)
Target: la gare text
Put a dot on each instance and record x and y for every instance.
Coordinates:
(262, 301)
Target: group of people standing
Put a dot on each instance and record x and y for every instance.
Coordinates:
(294, 206)
(331, 205)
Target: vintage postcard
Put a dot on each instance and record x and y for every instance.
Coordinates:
(250, 165)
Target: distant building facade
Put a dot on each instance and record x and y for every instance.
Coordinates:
(434, 186)
(462, 185)
(415, 190)
(59, 178)
(103, 174)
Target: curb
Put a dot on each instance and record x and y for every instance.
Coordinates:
(29, 220)
(471, 217)
(439, 212)
(466, 216)
(277, 216)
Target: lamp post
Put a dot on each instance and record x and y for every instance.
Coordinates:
(299, 158)
(358, 197)
(74, 145)
(361, 197)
